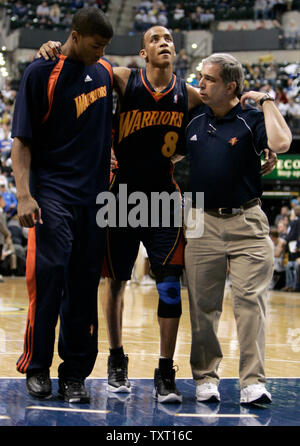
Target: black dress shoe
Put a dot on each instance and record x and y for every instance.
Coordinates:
(38, 384)
(73, 391)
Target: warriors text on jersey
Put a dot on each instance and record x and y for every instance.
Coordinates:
(149, 130)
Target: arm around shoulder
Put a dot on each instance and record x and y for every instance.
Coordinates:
(194, 99)
(278, 133)
(121, 76)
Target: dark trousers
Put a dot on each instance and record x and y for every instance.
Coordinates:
(63, 268)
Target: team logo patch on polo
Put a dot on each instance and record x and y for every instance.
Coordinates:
(194, 138)
(233, 141)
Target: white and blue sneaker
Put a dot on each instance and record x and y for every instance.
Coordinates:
(255, 393)
(207, 392)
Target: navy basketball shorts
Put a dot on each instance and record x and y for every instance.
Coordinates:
(165, 250)
(162, 237)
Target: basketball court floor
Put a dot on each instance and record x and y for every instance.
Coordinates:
(141, 343)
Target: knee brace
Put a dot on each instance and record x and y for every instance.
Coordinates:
(169, 305)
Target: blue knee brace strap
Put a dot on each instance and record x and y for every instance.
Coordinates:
(169, 297)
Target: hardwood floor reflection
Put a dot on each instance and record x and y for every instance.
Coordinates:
(141, 334)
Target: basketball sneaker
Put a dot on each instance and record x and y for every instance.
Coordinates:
(165, 390)
(38, 384)
(255, 393)
(117, 371)
(73, 391)
(207, 392)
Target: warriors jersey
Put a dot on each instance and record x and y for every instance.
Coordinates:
(149, 130)
(64, 109)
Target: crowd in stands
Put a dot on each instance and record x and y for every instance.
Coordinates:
(203, 14)
(282, 82)
(192, 15)
(13, 238)
(285, 234)
(46, 14)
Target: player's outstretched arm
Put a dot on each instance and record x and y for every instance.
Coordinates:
(121, 76)
(194, 99)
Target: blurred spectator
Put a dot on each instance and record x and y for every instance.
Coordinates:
(146, 5)
(55, 13)
(178, 16)
(196, 18)
(271, 74)
(181, 64)
(206, 19)
(19, 9)
(284, 212)
(162, 18)
(10, 201)
(8, 93)
(281, 106)
(151, 18)
(294, 203)
(67, 19)
(5, 143)
(280, 94)
(76, 4)
(141, 21)
(281, 228)
(291, 90)
(5, 238)
(293, 114)
(292, 241)
(43, 10)
(260, 9)
(290, 35)
(279, 279)
(157, 6)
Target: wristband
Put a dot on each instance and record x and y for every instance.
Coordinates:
(266, 97)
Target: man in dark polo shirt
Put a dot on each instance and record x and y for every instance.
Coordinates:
(225, 139)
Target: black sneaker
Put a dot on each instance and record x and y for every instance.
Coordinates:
(38, 384)
(165, 390)
(117, 371)
(73, 391)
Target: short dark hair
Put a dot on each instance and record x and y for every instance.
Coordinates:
(90, 21)
(274, 232)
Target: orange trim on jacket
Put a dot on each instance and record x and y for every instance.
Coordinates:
(52, 83)
(25, 359)
(108, 68)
